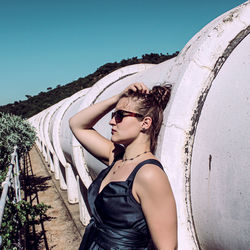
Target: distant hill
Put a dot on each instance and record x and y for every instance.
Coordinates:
(35, 104)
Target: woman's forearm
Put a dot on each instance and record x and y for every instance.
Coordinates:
(89, 116)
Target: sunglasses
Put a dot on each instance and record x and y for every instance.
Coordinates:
(120, 114)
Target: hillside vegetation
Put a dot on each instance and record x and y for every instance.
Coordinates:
(37, 103)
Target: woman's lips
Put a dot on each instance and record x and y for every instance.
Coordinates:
(113, 131)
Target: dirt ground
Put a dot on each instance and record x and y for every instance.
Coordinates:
(63, 230)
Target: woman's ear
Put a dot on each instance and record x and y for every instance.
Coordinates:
(146, 123)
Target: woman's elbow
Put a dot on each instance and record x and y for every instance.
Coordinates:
(76, 124)
(72, 124)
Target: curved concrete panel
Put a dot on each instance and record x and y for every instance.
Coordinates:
(58, 126)
(220, 161)
(60, 133)
(41, 134)
(46, 126)
(66, 135)
(59, 167)
(201, 59)
(36, 125)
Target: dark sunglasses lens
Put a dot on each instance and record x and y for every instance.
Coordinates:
(118, 116)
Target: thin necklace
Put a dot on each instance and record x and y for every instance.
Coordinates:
(129, 159)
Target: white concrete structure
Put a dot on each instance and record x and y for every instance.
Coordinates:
(221, 157)
(47, 124)
(204, 143)
(59, 132)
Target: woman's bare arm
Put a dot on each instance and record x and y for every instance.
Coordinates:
(82, 124)
(158, 205)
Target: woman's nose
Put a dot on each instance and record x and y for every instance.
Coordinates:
(112, 121)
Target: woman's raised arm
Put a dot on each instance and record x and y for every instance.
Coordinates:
(82, 124)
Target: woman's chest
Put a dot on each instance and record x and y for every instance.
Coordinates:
(116, 206)
(120, 172)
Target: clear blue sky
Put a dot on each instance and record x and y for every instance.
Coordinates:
(46, 43)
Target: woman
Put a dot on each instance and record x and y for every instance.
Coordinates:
(131, 201)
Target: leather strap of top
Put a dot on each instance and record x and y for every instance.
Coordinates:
(148, 161)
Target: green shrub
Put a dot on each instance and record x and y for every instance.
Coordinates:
(16, 217)
(14, 131)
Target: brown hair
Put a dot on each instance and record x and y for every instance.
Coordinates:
(152, 105)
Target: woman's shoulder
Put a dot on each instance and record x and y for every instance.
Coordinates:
(151, 168)
(152, 175)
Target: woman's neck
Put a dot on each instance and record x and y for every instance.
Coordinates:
(134, 149)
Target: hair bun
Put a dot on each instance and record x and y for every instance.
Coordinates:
(162, 94)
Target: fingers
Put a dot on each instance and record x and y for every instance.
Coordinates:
(138, 86)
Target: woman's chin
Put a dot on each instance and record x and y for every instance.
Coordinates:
(116, 140)
(113, 139)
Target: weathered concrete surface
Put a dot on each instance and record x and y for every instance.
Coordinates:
(220, 159)
(64, 230)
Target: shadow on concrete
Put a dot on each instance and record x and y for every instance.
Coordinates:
(34, 233)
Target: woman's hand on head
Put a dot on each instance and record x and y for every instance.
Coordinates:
(138, 86)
